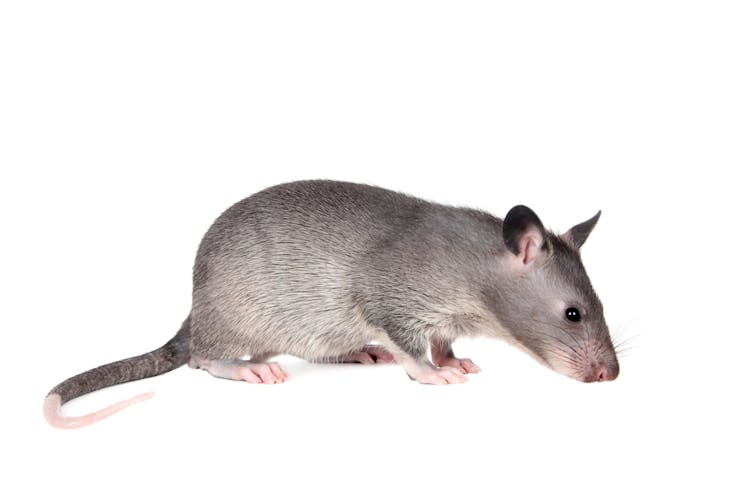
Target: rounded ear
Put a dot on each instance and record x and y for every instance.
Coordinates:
(577, 234)
(524, 234)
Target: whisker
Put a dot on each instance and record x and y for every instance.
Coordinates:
(625, 341)
(569, 361)
(625, 345)
(578, 349)
(624, 351)
(559, 352)
(566, 357)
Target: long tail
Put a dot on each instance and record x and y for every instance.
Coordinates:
(169, 357)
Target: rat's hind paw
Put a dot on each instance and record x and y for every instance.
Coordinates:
(241, 370)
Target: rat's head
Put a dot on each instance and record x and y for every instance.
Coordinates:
(552, 309)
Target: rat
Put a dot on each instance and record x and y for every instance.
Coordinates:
(334, 271)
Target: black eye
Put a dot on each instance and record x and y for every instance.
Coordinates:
(573, 314)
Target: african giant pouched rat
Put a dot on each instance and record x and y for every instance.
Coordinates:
(322, 269)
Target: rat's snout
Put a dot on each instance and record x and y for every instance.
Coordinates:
(600, 371)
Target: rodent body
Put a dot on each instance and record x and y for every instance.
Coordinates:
(322, 270)
(318, 270)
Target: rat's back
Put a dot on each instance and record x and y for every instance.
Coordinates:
(274, 272)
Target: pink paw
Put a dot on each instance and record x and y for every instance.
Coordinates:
(442, 375)
(465, 365)
(264, 373)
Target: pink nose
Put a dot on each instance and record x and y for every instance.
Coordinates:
(599, 372)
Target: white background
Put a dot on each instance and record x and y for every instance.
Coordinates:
(127, 127)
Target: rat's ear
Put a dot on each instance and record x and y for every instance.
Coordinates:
(524, 234)
(577, 234)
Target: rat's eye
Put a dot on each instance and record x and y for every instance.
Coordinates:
(573, 314)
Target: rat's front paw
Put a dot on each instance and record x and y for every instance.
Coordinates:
(443, 375)
(465, 365)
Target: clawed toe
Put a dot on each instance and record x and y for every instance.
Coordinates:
(264, 373)
(469, 367)
(240, 370)
(464, 365)
(442, 375)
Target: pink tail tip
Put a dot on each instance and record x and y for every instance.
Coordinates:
(54, 416)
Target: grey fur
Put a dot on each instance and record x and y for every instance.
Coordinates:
(169, 357)
(301, 269)
(318, 269)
